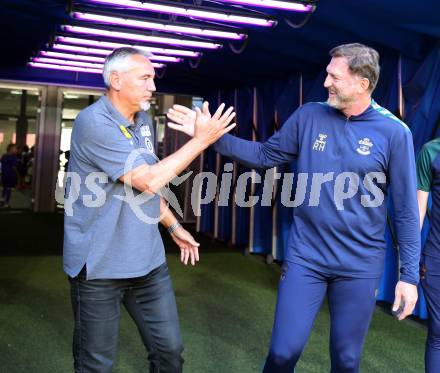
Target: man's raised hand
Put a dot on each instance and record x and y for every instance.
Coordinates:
(209, 131)
(183, 119)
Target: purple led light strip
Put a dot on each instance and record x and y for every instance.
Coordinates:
(87, 58)
(284, 5)
(141, 37)
(186, 11)
(112, 45)
(95, 66)
(158, 26)
(66, 68)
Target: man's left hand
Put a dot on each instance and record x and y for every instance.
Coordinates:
(189, 248)
(407, 294)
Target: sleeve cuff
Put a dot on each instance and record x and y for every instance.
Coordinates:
(423, 189)
(410, 279)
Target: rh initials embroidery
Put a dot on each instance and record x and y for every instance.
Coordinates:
(319, 144)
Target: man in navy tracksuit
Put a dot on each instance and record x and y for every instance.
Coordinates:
(428, 180)
(354, 152)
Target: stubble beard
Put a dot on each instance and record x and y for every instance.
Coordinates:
(145, 105)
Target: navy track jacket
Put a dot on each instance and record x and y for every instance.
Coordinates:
(346, 169)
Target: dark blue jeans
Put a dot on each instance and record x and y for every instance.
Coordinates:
(150, 302)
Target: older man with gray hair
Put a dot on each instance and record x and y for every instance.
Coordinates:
(354, 151)
(113, 251)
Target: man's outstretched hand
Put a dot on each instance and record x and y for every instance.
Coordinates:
(209, 131)
(183, 119)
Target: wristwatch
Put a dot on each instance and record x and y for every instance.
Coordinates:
(173, 227)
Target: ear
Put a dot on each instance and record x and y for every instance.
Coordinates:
(365, 84)
(115, 80)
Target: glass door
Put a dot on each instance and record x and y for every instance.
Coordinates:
(73, 101)
(20, 107)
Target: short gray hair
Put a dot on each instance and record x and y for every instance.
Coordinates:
(118, 60)
(362, 61)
